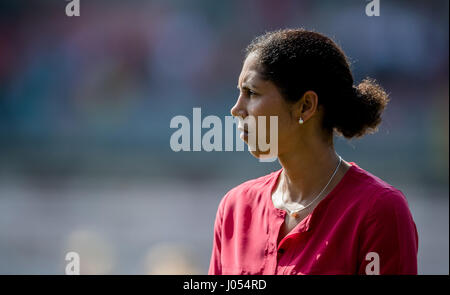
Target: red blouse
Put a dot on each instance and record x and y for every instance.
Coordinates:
(362, 226)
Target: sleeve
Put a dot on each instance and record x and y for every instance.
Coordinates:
(215, 265)
(389, 241)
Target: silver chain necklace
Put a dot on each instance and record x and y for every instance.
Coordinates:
(294, 212)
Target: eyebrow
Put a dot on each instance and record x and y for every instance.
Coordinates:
(247, 86)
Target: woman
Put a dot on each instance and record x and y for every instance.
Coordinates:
(319, 214)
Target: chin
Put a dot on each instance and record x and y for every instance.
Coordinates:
(264, 155)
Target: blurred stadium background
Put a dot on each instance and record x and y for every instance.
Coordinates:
(85, 106)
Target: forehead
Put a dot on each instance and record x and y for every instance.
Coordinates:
(250, 70)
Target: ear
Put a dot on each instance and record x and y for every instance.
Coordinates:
(306, 107)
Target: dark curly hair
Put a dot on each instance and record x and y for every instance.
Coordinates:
(297, 60)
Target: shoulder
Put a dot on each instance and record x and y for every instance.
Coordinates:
(372, 196)
(373, 188)
(363, 179)
(388, 204)
(249, 191)
(381, 198)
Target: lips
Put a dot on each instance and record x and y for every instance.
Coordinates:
(246, 127)
(243, 126)
(244, 133)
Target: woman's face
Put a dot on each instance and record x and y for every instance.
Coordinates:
(257, 98)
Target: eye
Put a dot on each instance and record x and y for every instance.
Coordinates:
(248, 92)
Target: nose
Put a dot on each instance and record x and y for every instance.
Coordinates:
(239, 109)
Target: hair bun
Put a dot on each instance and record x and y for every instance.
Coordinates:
(361, 114)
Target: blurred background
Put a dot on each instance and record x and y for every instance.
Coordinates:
(86, 102)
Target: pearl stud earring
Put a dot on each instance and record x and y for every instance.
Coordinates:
(300, 121)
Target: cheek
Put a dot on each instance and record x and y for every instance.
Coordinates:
(270, 106)
(257, 108)
(264, 106)
(284, 127)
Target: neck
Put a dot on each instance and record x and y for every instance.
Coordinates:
(305, 174)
